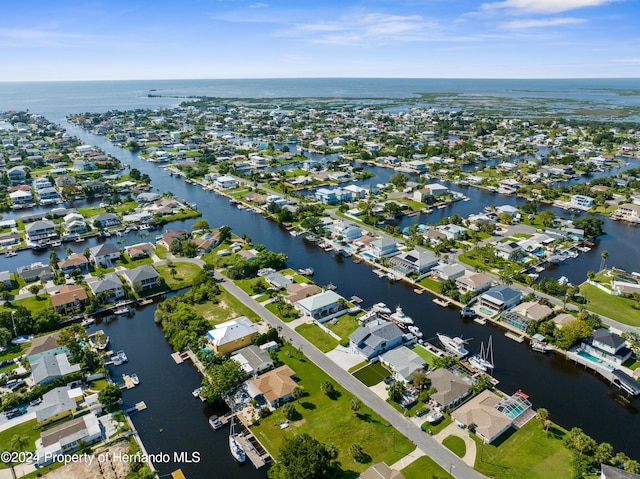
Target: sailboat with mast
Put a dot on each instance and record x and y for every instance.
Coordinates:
(483, 361)
(236, 449)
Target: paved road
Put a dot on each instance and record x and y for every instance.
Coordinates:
(426, 443)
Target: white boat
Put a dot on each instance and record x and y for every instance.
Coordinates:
(453, 345)
(56, 243)
(539, 343)
(88, 322)
(79, 239)
(215, 422)
(400, 317)
(381, 308)
(483, 361)
(123, 357)
(236, 449)
(122, 310)
(10, 253)
(196, 392)
(134, 379)
(415, 330)
(564, 281)
(434, 416)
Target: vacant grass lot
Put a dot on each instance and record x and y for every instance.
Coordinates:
(331, 421)
(347, 324)
(528, 453)
(29, 430)
(614, 307)
(320, 339)
(228, 307)
(372, 374)
(425, 468)
(183, 277)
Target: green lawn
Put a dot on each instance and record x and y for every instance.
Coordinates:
(347, 324)
(434, 429)
(246, 285)
(430, 284)
(28, 430)
(161, 251)
(34, 304)
(425, 354)
(184, 274)
(372, 374)
(425, 468)
(528, 453)
(614, 307)
(331, 421)
(228, 307)
(129, 263)
(13, 352)
(97, 210)
(273, 307)
(321, 340)
(456, 445)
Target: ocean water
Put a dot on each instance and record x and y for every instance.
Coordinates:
(57, 99)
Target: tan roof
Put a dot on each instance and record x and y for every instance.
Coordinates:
(563, 318)
(276, 384)
(474, 280)
(51, 436)
(300, 291)
(533, 310)
(142, 248)
(449, 386)
(74, 259)
(381, 471)
(42, 344)
(481, 411)
(68, 294)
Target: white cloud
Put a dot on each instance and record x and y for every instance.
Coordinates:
(543, 6)
(259, 5)
(373, 27)
(541, 23)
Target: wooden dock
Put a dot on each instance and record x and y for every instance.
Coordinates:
(180, 358)
(419, 290)
(178, 474)
(516, 337)
(442, 302)
(128, 382)
(254, 450)
(480, 320)
(140, 406)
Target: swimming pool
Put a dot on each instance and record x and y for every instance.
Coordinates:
(486, 311)
(594, 359)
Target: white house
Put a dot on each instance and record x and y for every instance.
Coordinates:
(382, 248)
(225, 182)
(403, 362)
(320, 306)
(67, 437)
(105, 255)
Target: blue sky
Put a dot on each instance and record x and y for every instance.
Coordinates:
(159, 39)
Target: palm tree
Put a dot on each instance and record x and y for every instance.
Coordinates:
(18, 444)
(542, 414)
(604, 255)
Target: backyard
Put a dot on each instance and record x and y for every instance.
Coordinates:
(331, 421)
(614, 307)
(228, 307)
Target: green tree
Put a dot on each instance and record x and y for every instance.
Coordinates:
(604, 255)
(298, 392)
(289, 411)
(34, 289)
(18, 443)
(356, 405)
(357, 452)
(542, 414)
(221, 378)
(396, 390)
(327, 388)
(399, 180)
(110, 397)
(603, 453)
(482, 383)
(448, 288)
(303, 457)
(200, 225)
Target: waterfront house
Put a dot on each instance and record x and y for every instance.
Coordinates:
(57, 404)
(106, 220)
(298, 291)
(275, 387)
(449, 271)
(48, 195)
(35, 272)
(51, 367)
(46, 345)
(607, 345)
(74, 261)
(232, 335)
(69, 298)
(40, 230)
(21, 197)
(147, 197)
(140, 250)
(581, 201)
(521, 314)
(382, 248)
(416, 261)
(65, 180)
(450, 388)
(472, 282)
(321, 306)
(278, 281)
(170, 236)
(374, 338)
(403, 362)
(500, 298)
(142, 278)
(41, 183)
(253, 359)
(225, 182)
(74, 223)
(68, 437)
(84, 165)
(105, 255)
(108, 288)
(508, 210)
(563, 319)
(509, 250)
(628, 212)
(346, 230)
(5, 278)
(480, 413)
